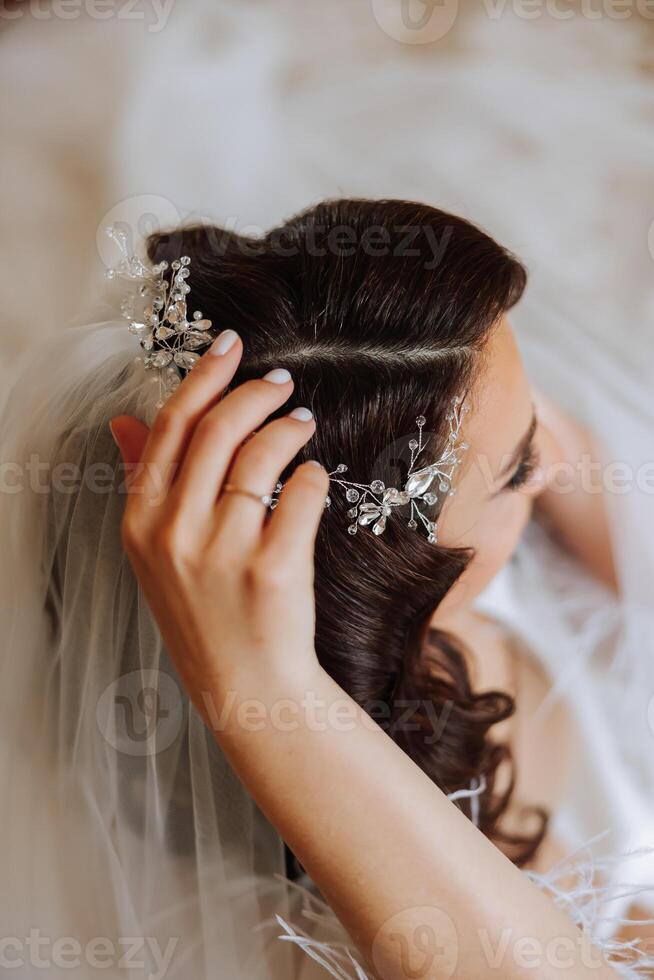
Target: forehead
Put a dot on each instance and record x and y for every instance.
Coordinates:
(500, 401)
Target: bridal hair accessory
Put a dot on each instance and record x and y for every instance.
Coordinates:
(425, 486)
(172, 344)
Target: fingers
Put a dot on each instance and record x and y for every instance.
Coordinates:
(291, 532)
(257, 468)
(219, 436)
(130, 436)
(174, 425)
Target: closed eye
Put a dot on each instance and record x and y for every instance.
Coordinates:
(525, 469)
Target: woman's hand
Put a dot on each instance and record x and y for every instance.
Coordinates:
(229, 583)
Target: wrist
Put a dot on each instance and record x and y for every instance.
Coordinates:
(259, 691)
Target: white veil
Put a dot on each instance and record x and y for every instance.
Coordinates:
(126, 838)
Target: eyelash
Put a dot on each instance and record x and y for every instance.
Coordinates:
(524, 472)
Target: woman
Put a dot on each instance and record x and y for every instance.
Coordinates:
(340, 338)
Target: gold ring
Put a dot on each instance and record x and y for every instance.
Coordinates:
(264, 499)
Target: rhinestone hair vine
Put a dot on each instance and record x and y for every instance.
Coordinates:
(172, 345)
(425, 486)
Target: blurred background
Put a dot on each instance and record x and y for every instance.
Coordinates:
(532, 117)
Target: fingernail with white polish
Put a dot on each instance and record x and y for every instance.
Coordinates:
(301, 414)
(278, 376)
(223, 342)
(314, 462)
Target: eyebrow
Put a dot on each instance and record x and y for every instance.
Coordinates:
(521, 449)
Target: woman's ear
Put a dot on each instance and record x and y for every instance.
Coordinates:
(130, 436)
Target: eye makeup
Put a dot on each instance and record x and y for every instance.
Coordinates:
(523, 473)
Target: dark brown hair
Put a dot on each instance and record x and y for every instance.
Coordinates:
(380, 309)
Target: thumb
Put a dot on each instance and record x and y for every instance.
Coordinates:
(130, 436)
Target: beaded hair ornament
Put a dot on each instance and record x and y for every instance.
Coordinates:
(426, 485)
(172, 345)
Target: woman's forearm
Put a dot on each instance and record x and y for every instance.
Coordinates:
(416, 885)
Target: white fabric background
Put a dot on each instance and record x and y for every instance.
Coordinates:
(539, 129)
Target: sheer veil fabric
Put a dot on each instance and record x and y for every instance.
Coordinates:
(122, 825)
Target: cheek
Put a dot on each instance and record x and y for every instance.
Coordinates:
(493, 539)
(501, 531)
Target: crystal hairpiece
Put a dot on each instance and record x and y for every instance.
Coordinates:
(171, 343)
(425, 486)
